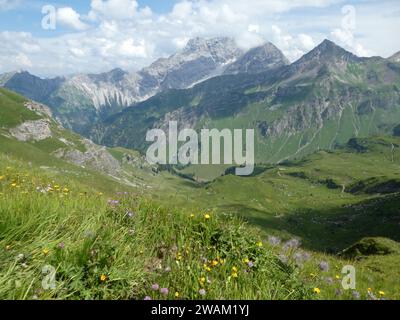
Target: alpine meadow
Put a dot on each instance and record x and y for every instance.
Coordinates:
(231, 153)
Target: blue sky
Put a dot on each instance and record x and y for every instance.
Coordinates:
(97, 35)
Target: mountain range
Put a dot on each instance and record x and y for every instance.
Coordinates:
(318, 102)
(85, 98)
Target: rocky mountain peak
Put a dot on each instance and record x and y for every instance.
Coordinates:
(259, 59)
(395, 57)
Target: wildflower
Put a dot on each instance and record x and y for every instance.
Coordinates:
(246, 260)
(167, 269)
(207, 216)
(356, 295)
(20, 257)
(177, 294)
(103, 278)
(214, 263)
(274, 241)
(192, 215)
(65, 190)
(1, 178)
(381, 293)
(13, 185)
(130, 214)
(250, 264)
(283, 258)
(100, 193)
(147, 298)
(155, 287)
(164, 291)
(234, 269)
(369, 290)
(259, 244)
(61, 245)
(202, 292)
(337, 277)
(317, 290)
(234, 275)
(46, 251)
(292, 244)
(8, 248)
(202, 280)
(338, 292)
(324, 266)
(329, 280)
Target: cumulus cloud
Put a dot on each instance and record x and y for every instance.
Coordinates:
(120, 33)
(9, 4)
(70, 18)
(113, 9)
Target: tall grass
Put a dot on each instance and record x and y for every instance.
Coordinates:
(123, 247)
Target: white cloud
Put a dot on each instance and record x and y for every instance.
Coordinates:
(131, 49)
(9, 4)
(113, 9)
(119, 33)
(70, 18)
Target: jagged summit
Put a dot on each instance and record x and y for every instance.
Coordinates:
(259, 59)
(395, 57)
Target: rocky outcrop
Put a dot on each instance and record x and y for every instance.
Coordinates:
(95, 157)
(36, 130)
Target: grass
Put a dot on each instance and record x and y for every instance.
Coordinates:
(104, 247)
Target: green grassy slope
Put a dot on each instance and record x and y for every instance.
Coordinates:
(55, 213)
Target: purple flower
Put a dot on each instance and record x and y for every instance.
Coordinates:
(61, 245)
(202, 292)
(147, 298)
(274, 241)
(155, 287)
(284, 259)
(130, 214)
(164, 291)
(329, 280)
(324, 266)
(250, 264)
(113, 202)
(356, 295)
(292, 244)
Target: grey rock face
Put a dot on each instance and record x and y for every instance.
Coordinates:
(395, 57)
(258, 60)
(32, 130)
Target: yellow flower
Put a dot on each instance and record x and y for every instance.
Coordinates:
(246, 260)
(202, 280)
(337, 277)
(259, 244)
(312, 275)
(192, 216)
(234, 275)
(382, 293)
(317, 290)
(103, 278)
(100, 193)
(1, 178)
(66, 190)
(8, 248)
(46, 251)
(214, 263)
(13, 185)
(234, 269)
(369, 290)
(207, 216)
(177, 294)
